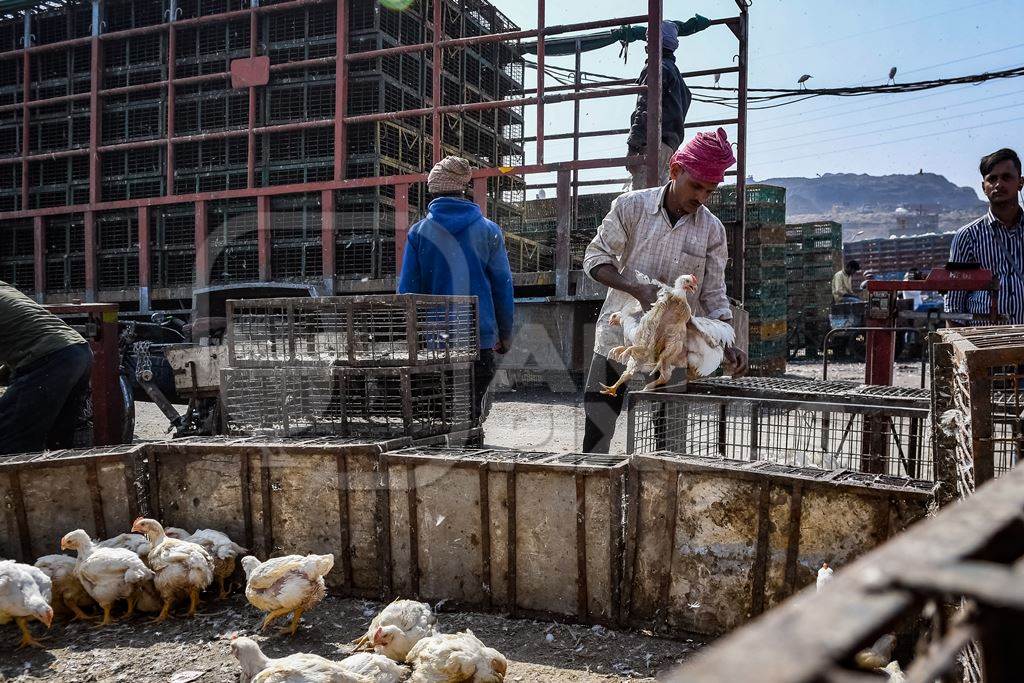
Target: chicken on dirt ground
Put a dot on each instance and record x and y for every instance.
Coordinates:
(181, 567)
(221, 548)
(377, 668)
(294, 668)
(136, 543)
(455, 658)
(25, 593)
(397, 628)
(68, 591)
(108, 574)
(281, 585)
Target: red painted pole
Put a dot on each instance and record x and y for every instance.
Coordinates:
(144, 259)
(26, 95)
(401, 222)
(340, 92)
(327, 239)
(250, 164)
(172, 41)
(435, 135)
(106, 395)
(263, 236)
(90, 256)
(39, 256)
(95, 111)
(653, 92)
(480, 194)
(202, 253)
(540, 81)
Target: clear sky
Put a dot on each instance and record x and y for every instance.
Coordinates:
(840, 43)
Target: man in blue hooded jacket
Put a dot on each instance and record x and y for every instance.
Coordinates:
(455, 251)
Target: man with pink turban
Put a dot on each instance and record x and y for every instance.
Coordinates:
(662, 232)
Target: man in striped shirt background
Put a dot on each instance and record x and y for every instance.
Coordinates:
(996, 242)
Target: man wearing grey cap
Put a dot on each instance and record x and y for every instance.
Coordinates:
(456, 251)
(675, 101)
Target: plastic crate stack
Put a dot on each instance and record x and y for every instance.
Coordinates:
(765, 288)
(380, 366)
(541, 219)
(814, 253)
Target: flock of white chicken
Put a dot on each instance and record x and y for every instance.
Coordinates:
(154, 568)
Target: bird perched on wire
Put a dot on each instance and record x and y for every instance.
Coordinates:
(802, 81)
(892, 75)
(718, 77)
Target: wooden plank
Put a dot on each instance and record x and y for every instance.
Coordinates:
(485, 537)
(344, 531)
(760, 568)
(21, 518)
(92, 481)
(582, 595)
(414, 542)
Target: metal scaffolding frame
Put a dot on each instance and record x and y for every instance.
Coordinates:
(567, 172)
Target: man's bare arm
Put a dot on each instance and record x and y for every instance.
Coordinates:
(609, 276)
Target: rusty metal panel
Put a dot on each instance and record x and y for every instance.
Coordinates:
(9, 535)
(718, 541)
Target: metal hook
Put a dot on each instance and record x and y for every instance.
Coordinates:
(735, 58)
(178, 12)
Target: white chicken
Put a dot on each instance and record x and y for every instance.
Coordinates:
(67, 588)
(377, 668)
(221, 548)
(280, 585)
(136, 543)
(25, 593)
(181, 568)
(107, 574)
(455, 658)
(668, 336)
(824, 576)
(296, 667)
(397, 628)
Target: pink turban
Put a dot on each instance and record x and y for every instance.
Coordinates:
(706, 156)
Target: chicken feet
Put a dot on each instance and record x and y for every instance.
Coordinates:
(164, 613)
(296, 617)
(269, 619)
(107, 618)
(26, 636)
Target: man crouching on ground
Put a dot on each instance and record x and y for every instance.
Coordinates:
(663, 232)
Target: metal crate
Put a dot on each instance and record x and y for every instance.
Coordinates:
(977, 401)
(853, 431)
(342, 401)
(377, 330)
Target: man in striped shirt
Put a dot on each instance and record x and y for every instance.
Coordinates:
(996, 242)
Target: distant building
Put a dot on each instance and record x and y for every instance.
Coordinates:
(916, 221)
(891, 257)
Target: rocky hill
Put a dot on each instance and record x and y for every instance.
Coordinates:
(846, 192)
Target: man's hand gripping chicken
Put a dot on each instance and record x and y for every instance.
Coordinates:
(668, 336)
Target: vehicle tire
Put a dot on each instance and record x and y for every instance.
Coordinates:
(127, 409)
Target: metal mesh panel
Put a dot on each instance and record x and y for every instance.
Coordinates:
(377, 402)
(65, 254)
(875, 439)
(295, 230)
(117, 253)
(173, 246)
(361, 330)
(17, 261)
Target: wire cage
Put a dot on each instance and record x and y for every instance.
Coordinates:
(845, 431)
(419, 401)
(379, 330)
(977, 376)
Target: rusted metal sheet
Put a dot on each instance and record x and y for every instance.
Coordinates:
(716, 543)
(45, 495)
(250, 72)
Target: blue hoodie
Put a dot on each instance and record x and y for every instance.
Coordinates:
(456, 251)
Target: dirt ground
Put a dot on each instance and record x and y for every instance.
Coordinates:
(183, 650)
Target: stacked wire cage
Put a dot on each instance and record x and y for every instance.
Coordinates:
(814, 253)
(764, 277)
(377, 366)
(171, 121)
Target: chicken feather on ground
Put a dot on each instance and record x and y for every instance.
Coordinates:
(68, 591)
(25, 593)
(221, 548)
(397, 628)
(181, 567)
(303, 667)
(455, 658)
(107, 574)
(286, 584)
(136, 543)
(668, 336)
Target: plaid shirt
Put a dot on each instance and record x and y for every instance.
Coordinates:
(636, 235)
(999, 248)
